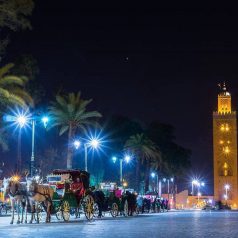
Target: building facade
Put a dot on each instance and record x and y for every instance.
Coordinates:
(225, 151)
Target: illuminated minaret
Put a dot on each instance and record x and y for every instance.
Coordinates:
(225, 150)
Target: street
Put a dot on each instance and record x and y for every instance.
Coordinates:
(173, 224)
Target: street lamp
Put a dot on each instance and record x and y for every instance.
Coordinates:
(93, 143)
(23, 119)
(168, 180)
(194, 182)
(153, 175)
(197, 183)
(127, 159)
(227, 187)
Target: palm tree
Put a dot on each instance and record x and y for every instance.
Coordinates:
(147, 154)
(12, 91)
(69, 112)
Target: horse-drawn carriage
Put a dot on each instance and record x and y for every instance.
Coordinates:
(71, 194)
(113, 200)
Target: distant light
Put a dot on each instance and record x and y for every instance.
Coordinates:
(15, 178)
(195, 182)
(164, 179)
(21, 120)
(125, 184)
(77, 144)
(153, 175)
(45, 120)
(94, 143)
(199, 194)
(172, 179)
(114, 159)
(227, 186)
(127, 158)
(225, 196)
(202, 184)
(210, 200)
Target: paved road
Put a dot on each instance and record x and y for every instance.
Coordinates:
(173, 224)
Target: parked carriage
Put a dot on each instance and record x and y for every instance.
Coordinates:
(72, 196)
(114, 201)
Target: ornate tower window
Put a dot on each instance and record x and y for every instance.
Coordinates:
(225, 127)
(225, 170)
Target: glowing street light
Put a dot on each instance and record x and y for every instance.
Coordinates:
(114, 159)
(153, 175)
(24, 119)
(197, 183)
(45, 120)
(227, 187)
(168, 180)
(126, 159)
(77, 144)
(21, 120)
(93, 143)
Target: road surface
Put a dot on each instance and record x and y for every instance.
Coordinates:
(188, 224)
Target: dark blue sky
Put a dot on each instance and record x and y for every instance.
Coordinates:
(150, 63)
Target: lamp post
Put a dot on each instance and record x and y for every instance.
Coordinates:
(168, 181)
(22, 120)
(127, 159)
(227, 187)
(153, 175)
(94, 143)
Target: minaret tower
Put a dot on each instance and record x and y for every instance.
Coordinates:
(225, 151)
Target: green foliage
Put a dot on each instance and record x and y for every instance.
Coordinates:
(27, 65)
(176, 157)
(69, 113)
(13, 17)
(12, 91)
(146, 153)
(14, 13)
(143, 148)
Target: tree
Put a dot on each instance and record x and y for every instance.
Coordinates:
(13, 17)
(27, 65)
(12, 91)
(176, 158)
(146, 153)
(69, 112)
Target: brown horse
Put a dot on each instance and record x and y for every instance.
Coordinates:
(18, 197)
(38, 194)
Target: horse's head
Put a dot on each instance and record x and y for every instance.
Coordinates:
(10, 186)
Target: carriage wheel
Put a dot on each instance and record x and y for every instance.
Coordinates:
(125, 208)
(114, 210)
(39, 212)
(89, 207)
(95, 210)
(58, 213)
(65, 208)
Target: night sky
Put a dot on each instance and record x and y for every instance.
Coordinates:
(147, 63)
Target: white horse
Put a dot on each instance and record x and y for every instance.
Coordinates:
(18, 196)
(38, 194)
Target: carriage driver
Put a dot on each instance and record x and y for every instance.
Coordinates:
(77, 187)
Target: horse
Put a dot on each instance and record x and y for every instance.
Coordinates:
(38, 194)
(18, 196)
